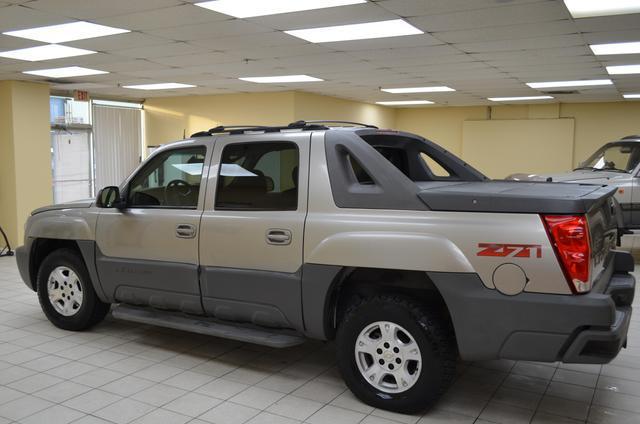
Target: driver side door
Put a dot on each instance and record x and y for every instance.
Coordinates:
(147, 252)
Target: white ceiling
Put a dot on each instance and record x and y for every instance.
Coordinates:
(482, 48)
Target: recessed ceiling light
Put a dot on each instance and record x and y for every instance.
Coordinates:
(517, 99)
(631, 96)
(70, 71)
(616, 48)
(382, 29)
(281, 78)
(66, 32)
(50, 51)
(589, 8)
(578, 83)
(250, 8)
(405, 102)
(417, 89)
(623, 69)
(159, 86)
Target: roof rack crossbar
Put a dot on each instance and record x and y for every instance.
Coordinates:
(329, 121)
(299, 125)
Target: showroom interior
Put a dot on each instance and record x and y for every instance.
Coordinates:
(89, 89)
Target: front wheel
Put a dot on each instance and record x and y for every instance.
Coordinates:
(66, 293)
(396, 354)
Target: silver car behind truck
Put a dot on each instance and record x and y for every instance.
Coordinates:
(381, 240)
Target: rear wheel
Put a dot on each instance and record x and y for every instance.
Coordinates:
(395, 353)
(66, 293)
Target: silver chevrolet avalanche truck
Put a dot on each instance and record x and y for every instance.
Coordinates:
(380, 240)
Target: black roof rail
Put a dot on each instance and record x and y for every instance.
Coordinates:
(301, 125)
(631, 137)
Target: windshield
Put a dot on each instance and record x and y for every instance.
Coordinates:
(617, 157)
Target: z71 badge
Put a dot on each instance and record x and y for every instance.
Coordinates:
(511, 250)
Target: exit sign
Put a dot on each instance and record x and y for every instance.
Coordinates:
(80, 96)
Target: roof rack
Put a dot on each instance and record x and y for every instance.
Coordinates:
(298, 125)
(630, 137)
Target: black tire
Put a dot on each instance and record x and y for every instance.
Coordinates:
(432, 333)
(91, 310)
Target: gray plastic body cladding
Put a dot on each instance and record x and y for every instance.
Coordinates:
(527, 326)
(88, 251)
(23, 255)
(514, 197)
(317, 287)
(152, 283)
(208, 326)
(267, 298)
(392, 189)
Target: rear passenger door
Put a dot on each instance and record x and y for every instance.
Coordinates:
(252, 229)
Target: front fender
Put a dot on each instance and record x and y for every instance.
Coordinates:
(391, 250)
(65, 224)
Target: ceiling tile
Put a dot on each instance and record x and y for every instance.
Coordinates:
(91, 9)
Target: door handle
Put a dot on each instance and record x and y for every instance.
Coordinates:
(186, 231)
(279, 236)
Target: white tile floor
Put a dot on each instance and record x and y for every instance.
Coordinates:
(125, 373)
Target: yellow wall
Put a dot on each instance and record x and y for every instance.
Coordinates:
(173, 118)
(595, 124)
(25, 154)
(310, 106)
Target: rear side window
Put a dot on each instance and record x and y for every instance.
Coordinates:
(258, 176)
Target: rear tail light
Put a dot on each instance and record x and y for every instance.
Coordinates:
(569, 235)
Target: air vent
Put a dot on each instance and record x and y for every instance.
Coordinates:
(559, 92)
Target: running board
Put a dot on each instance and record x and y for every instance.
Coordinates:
(208, 326)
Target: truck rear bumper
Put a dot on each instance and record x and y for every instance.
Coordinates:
(589, 328)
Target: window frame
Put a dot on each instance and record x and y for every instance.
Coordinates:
(219, 178)
(150, 162)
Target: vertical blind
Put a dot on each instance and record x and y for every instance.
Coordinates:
(117, 139)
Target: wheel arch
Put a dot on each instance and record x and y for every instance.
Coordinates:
(329, 290)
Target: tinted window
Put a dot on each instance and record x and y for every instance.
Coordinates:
(258, 176)
(171, 179)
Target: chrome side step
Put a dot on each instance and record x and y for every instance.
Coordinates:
(208, 326)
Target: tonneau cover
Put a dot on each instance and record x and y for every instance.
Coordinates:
(513, 196)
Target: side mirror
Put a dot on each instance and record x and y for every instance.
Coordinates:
(109, 197)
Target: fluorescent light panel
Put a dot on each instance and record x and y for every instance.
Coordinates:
(589, 8)
(578, 83)
(631, 96)
(251, 8)
(405, 102)
(517, 99)
(616, 48)
(417, 90)
(281, 79)
(62, 33)
(50, 51)
(159, 86)
(381, 29)
(623, 69)
(67, 72)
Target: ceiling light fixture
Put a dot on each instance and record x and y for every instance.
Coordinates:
(517, 99)
(405, 102)
(62, 33)
(616, 48)
(251, 8)
(281, 79)
(437, 89)
(590, 8)
(369, 30)
(70, 71)
(159, 86)
(50, 51)
(623, 69)
(631, 96)
(578, 83)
